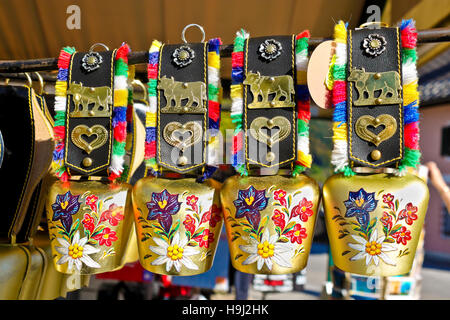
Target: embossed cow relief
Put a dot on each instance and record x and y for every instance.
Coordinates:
(100, 98)
(183, 97)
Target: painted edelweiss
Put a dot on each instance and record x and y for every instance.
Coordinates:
(373, 250)
(176, 254)
(76, 253)
(268, 251)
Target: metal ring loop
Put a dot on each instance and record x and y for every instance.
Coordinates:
(41, 83)
(98, 44)
(192, 25)
(381, 24)
(30, 82)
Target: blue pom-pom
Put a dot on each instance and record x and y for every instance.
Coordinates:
(153, 57)
(340, 112)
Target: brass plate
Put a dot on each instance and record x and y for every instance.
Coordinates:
(173, 128)
(99, 131)
(362, 130)
(262, 122)
(175, 92)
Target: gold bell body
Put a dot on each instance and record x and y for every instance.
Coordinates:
(270, 222)
(178, 224)
(374, 221)
(89, 225)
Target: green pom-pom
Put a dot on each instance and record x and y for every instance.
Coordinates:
(121, 68)
(339, 72)
(301, 44)
(298, 169)
(213, 92)
(409, 54)
(69, 50)
(119, 148)
(410, 159)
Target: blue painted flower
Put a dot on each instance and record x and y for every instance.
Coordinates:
(65, 206)
(162, 206)
(249, 204)
(359, 204)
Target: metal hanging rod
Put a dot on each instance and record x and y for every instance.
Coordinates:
(48, 64)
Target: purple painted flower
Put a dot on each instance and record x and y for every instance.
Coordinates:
(359, 204)
(65, 206)
(162, 206)
(249, 204)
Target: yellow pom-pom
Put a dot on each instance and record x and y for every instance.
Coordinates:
(339, 131)
(340, 32)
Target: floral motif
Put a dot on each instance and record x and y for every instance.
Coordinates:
(174, 254)
(191, 201)
(91, 201)
(106, 237)
(387, 221)
(64, 207)
(297, 234)
(373, 250)
(88, 222)
(303, 209)
(76, 252)
(213, 215)
(189, 223)
(249, 204)
(374, 44)
(359, 205)
(409, 213)
(402, 236)
(183, 56)
(113, 215)
(162, 206)
(268, 251)
(91, 61)
(205, 238)
(280, 195)
(278, 219)
(270, 49)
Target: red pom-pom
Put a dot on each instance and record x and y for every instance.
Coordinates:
(120, 132)
(122, 52)
(409, 38)
(237, 143)
(64, 60)
(60, 132)
(304, 115)
(150, 150)
(339, 92)
(237, 59)
(214, 110)
(412, 135)
(152, 71)
(304, 34)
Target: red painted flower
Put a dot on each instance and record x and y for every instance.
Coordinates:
(278, 219)
(386, 220)
(91, 201)
(280, 195)
(389, 200)
(402, 236)
(88, 222)
(114, 215)
(409, 213)
(205, 238)
(213, 215)
(192, 202)
(297, 234)
(106, 237)
(303, 209)
(189, 223)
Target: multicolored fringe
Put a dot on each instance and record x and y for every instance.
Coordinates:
(60, 108)
(151, 115)
(304, 158)
(338, 71)
(213, 108)
(237, 102)
(411, 157)
(120, 106)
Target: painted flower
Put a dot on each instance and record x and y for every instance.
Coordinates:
(162, 206)
(88, 222)
(409, 213)
(374, 44)
(389, 200)
(189, 223)
(91, 201)
(402, 236)
(280, 195)
(191, 201)
(114, 214)
(65, 206)
(387, 220)
(279, 219)
(268, 251)
(205, 238)
(176, 254)
(106, 237)
(375, 249)
(359, 204)
(249, 204)
(76, 253)
(297, 234)
(213, 215)
(303, 209)
(270, 49)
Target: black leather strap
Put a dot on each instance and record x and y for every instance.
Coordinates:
(284, 151)
(168, 156)
(368, 115)
(74, 155)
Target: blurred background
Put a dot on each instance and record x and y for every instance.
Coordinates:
(33, 29)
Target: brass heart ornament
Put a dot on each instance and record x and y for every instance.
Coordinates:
(174, 133)
(99, 131)
(386, 120)
(276, 122)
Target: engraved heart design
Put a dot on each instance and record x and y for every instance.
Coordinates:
(174, 133)
(362, 130)
(99, 131)
(262, 122)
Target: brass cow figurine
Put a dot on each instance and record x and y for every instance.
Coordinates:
(263, 86)
(101, 97)
(175, 92)
(367, 83)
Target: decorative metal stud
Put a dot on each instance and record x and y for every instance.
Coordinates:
(374, 44)
(375, 155)
(183, 56)
(270, 49)
(91, 61)
(87, 162)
